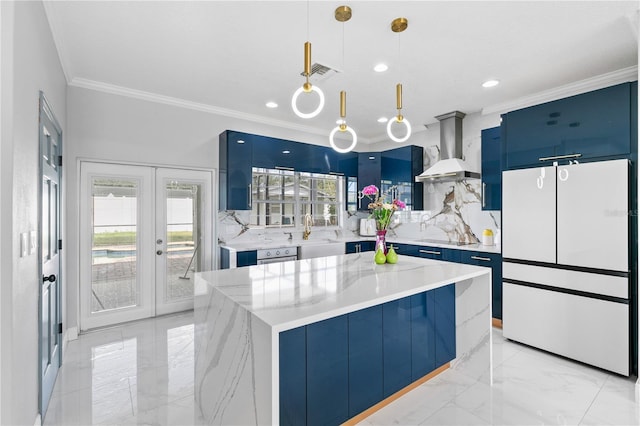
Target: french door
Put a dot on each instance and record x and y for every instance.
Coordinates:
(144, 232)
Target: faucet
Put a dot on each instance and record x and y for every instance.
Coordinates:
(290, 236)
(423, 221)
(307, 222)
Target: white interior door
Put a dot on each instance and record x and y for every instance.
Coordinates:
(144, 231)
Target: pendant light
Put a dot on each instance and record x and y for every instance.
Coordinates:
(307, 87)
(398, 25)
(343, 14)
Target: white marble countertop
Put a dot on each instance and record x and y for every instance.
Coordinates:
(268, 244)
(290, 294)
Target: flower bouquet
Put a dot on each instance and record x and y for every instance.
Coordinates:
(381, 212)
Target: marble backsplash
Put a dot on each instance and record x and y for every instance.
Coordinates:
(456, 216)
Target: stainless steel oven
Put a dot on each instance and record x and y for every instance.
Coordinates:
(279, 254)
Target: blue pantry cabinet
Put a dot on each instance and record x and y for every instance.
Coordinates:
(235, 170)
(596, 124)
(491, 151)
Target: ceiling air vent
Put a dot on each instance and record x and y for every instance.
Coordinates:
(320, 72)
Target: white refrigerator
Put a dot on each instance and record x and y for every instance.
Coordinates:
(565, 249)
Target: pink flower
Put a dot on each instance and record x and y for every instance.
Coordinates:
(370, 190)
(401, 205)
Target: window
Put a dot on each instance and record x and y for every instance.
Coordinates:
(281, 198)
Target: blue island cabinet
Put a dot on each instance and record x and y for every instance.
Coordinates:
(335, 369)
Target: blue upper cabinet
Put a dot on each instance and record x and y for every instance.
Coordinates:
(398, 168)
(235, 170)
(491, 169)
(369, 173)
(596, 124)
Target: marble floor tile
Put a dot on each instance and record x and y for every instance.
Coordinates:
(142, 374)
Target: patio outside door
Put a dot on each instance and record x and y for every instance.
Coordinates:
(144, 231)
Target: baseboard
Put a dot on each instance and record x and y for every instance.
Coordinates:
(360, 417)
(69, 334)
(497, 323)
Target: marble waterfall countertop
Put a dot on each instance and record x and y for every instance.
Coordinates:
(290, 294)
(239, 314)
(260, 244)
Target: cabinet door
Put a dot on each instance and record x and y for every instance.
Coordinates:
(328, 371)
(293, 377)
(529, 214)
(365, 359)
(235, 171)
(491, 169)
(396, 328)
(423, 338)
(406, 249)
(247, 258)
(351, 248)
(369, 169)
(493, 261)
(445, 323)
(593, 222)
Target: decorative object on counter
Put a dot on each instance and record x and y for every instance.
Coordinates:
(398, 25)
(308, 222)
(380, 257)
(381, 211)
(392, 256)
(487, 237)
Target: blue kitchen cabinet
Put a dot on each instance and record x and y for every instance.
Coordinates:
(399, 167)
(235, 157)
(359, 246)
(596, 124)
(439, 253)
(365, 359)
(328, 371)
(491, 151)
(369, 173)
(423, 338)
(445, 324)
(273, 153)
(293, 377)
(493, 261)
(396, 330)
(405, 249)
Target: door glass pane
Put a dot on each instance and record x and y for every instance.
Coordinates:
(46, 220)
(183, 238)
(114, 244)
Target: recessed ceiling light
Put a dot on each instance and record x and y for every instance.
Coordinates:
(383, 120)
(286, 151)
(240, 141)
(271, 104)
(381, 67)
(490, 83)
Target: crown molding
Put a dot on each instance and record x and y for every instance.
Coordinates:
(575, 88)
(196, 106)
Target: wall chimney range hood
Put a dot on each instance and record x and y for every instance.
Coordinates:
(451, 166)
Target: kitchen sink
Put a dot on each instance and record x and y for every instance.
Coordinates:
(309, 250)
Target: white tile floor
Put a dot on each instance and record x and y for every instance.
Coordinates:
(142, 373)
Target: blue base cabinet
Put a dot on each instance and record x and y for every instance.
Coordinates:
(493, 261)
(243, 258)
(359, 246)
(334, 369)
(445, 323)
(365, 359)
(396, 320)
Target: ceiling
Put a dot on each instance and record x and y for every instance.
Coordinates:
(231, 57)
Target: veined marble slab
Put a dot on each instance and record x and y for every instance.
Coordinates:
(240, 312)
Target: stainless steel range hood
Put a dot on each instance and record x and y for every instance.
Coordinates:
(451, 166)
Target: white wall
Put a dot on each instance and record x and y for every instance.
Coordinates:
(29, 64)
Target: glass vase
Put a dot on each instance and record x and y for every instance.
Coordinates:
(381, 235)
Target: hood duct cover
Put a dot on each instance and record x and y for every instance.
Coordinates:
(451, 166)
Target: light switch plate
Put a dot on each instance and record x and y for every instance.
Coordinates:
(24, 244)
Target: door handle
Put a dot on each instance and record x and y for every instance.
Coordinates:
(249, 196)
(50, 278)
(159, 252)
(484, 186)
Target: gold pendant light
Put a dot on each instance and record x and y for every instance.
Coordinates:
(398, 25)
(307, 87)
(343, 14)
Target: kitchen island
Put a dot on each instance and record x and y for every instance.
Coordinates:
(252, 322)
